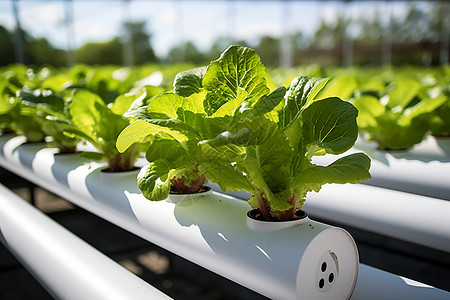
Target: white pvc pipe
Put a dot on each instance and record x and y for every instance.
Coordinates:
(409, 217)
(210, 231)
(417, 219)
(374, 284)
(437, 148)
(66, 266)
(422, 170)
(184, 229)
(417, 176)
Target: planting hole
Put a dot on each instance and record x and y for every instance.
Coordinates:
(331, 277)
(324, 266)
(321, 283)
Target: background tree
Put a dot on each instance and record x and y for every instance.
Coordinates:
(7, 47)
(140, 41)
(101, 53)
(269, 51)
(42, 52)
(186, 52)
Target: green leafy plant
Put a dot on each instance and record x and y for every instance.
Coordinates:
(173, 124)
(22, 120)
(93, 121)
(9, 110)
(107, 81)
(274, 155)
(223, 122)
(14, 116)
(440, 123)
(49, 110)
(34, 111)
(398, 117)
(173, 153)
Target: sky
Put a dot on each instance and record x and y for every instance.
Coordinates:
(174, 21)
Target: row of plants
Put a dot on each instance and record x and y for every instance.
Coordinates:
(231, 122)
(221, 123)
(81, 105)
(398, 108)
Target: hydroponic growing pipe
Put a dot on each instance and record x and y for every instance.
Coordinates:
(66, 266)
(417, 219)
(214, 241)
(423, 169)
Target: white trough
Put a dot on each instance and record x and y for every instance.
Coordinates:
(65, 265)
(211, 233)
(413, 218)
(422, 170)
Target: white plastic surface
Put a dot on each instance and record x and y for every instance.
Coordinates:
(418, 219)
(431, 147)
(216, 239)
(374, 284)
(423, 170)
(64, 264)
(329, 265)
(413, 218)
(209, 230)
(187, 198)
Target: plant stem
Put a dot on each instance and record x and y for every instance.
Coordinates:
(180, 186)
(264, 206)
(270, 214)
(122, 161)
(66, 149)
(289, 214)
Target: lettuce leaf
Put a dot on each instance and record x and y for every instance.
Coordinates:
(299, 96)
(276, 159)
(400, 116)
(154, 180)
(189, 82)
(238, 68)
(141, 132)
(349, 169)
(95, 122)
(329, 125)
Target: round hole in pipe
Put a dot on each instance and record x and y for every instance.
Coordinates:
(331, 277)
(321, 283)
(324, 266)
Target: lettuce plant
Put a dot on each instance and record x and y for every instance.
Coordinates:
(34, 111)
(171, 145)
(93, 121)
(21, 119)
(398, 117)
(274, 153)
(50, 110)
(173, 124)
(9, 110)
(14, 116)
(223, 122)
